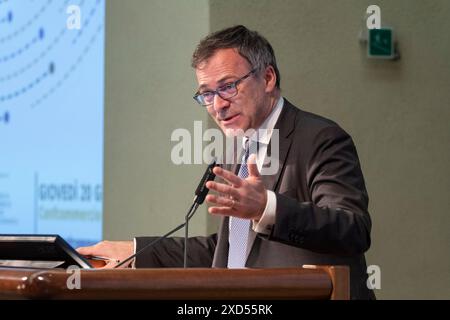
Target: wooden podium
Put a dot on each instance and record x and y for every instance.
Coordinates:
(312, 282)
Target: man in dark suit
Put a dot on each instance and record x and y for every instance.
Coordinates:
(312, 210)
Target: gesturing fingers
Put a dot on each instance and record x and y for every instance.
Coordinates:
(222, 210)
(224, 189)
(228, 176)
(222, 201)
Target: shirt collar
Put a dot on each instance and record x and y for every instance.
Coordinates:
(264, 132)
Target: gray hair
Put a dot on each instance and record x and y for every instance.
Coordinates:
(249, 44)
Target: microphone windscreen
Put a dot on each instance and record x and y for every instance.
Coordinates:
(202, 190)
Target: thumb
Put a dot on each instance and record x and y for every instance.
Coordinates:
(252, 166)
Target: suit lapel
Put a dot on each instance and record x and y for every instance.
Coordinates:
(285, 126)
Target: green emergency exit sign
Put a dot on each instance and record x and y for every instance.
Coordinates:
(381, 44)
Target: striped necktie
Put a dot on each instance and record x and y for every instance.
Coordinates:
(239, 228)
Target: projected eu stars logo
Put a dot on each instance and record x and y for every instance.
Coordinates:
(51, 116)
(5, 117)
(7, 18)
(33, 44)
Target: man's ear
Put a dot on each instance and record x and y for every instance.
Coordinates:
(270, 79)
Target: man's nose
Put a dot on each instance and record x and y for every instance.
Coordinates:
(220, 104)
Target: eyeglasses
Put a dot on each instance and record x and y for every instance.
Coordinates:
(226, 91)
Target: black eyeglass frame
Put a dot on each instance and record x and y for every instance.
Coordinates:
(199, 96)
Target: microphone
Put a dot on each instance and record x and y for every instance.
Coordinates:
(200, 194)
(202, 190)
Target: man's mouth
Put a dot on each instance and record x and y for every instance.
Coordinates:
(229, 120)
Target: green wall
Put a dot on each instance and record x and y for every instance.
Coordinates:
(397, 112)
(149, 87)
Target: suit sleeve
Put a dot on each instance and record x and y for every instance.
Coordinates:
(336, 221)
(169, 253)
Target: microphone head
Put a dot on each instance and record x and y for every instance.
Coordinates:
(202, 190)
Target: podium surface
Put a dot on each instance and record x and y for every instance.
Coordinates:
(313, 282)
